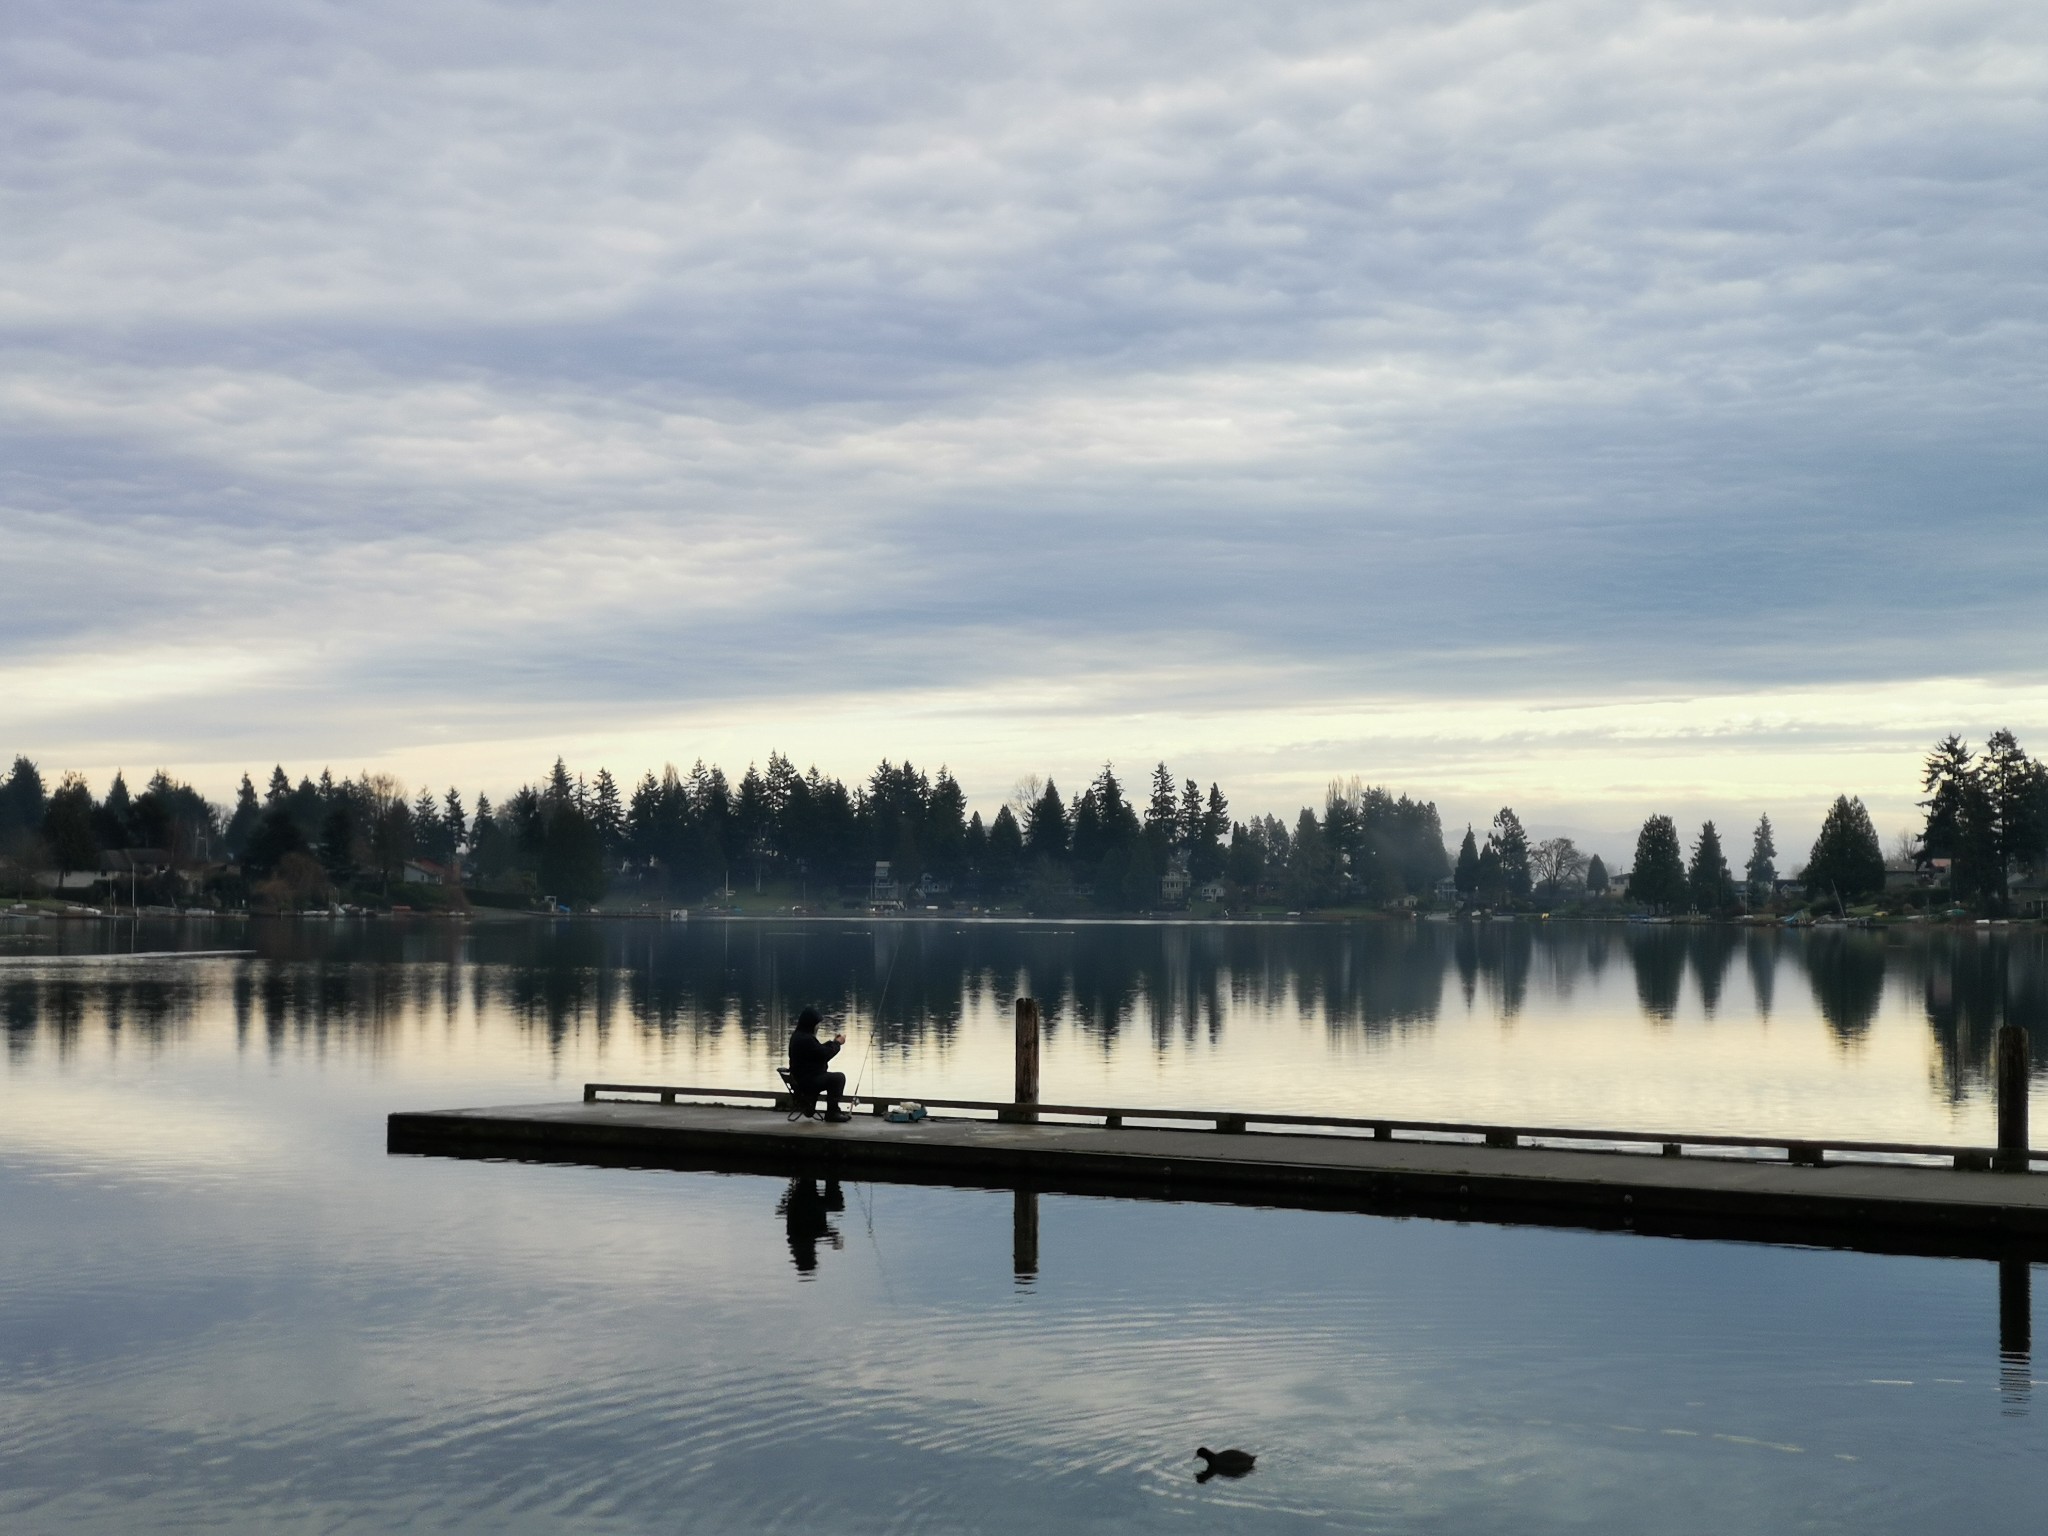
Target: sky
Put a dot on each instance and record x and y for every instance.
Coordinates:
(1598, 408)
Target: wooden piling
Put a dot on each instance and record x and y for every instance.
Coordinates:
(2012, 1074)
(1025, 1104)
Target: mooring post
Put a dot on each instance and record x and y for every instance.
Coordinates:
(1026, 1111)
(1024, 1235)
(2012, 1099)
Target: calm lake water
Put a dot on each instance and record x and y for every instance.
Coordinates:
(222, 1305)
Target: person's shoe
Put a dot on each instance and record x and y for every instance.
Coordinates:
(837, 1116)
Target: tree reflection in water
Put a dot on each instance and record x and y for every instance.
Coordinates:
(913, 986)
(1846, 970)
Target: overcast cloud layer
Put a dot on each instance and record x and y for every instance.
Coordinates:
(1607, 407)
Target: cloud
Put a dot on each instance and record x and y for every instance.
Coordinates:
(409, 384)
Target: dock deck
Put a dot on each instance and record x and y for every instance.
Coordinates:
(1875, 1205)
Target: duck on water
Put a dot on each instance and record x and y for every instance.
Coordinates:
(1230, 1463)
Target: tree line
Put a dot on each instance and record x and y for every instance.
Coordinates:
(681, 835)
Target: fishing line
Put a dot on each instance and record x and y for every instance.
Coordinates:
(865, 1194)
(875, 1021)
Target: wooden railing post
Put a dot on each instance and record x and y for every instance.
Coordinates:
(2012, 1099)
(1026, 1100)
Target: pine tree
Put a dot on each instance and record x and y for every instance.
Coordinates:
(242, 824)
(1489, 883)
(1513, 845)
(1311, 866)
(1658, 877)
(1045, 837)
(1707, 880)
(1188, 824)
(22, 804)
(1847, 861)
(67, 827)
(280, 786)
(1596, 876)
(1762, 869)
(1005, 846)
(1162, 812)
(453, 816)
(1466, 875)
(608, 815)
(113, 822)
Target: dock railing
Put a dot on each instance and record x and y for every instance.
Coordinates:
(1811, 1150)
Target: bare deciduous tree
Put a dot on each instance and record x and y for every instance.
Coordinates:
(1556, 861)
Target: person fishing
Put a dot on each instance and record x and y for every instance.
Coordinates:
(810, 1060)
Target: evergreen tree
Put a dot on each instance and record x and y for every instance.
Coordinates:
(242, 824)
(1120, 824)
(68, 827)
(1245, 862)
(945, 826)
(974, 847)
(1188, 821)
(561, 790)
(1087, 842)
(430, 838)
(1467, 872)
(276, 834)
(1762, 869)
(1162, 811)
(1847, 861)
(1311, 867)
(1490, 884)
(1005, 847)
(2015, 792)
(22, 804)
(280, 786)
(1658, 878)
(1958, 826)
(1708, 881)
(608, 815)
(490, 848)
(114, 822)
(572, 854)
(308, 805)
(1596, 876)
(453, 816)
(1513, 845)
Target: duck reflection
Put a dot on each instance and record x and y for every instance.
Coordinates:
(807, 1213)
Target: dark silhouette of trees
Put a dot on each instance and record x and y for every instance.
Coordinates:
(22, 806)
(1847, 863)
(1596, 876)
(67, 827)
(1985, 815)
(1466, 876)
(1556, 865)
(1512, 844)
(248, 811)
(1762, 870)
(1657, 879)
(1045, 837)
(1707, 880)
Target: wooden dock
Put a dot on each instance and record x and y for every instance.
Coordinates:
(1843, 1194)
